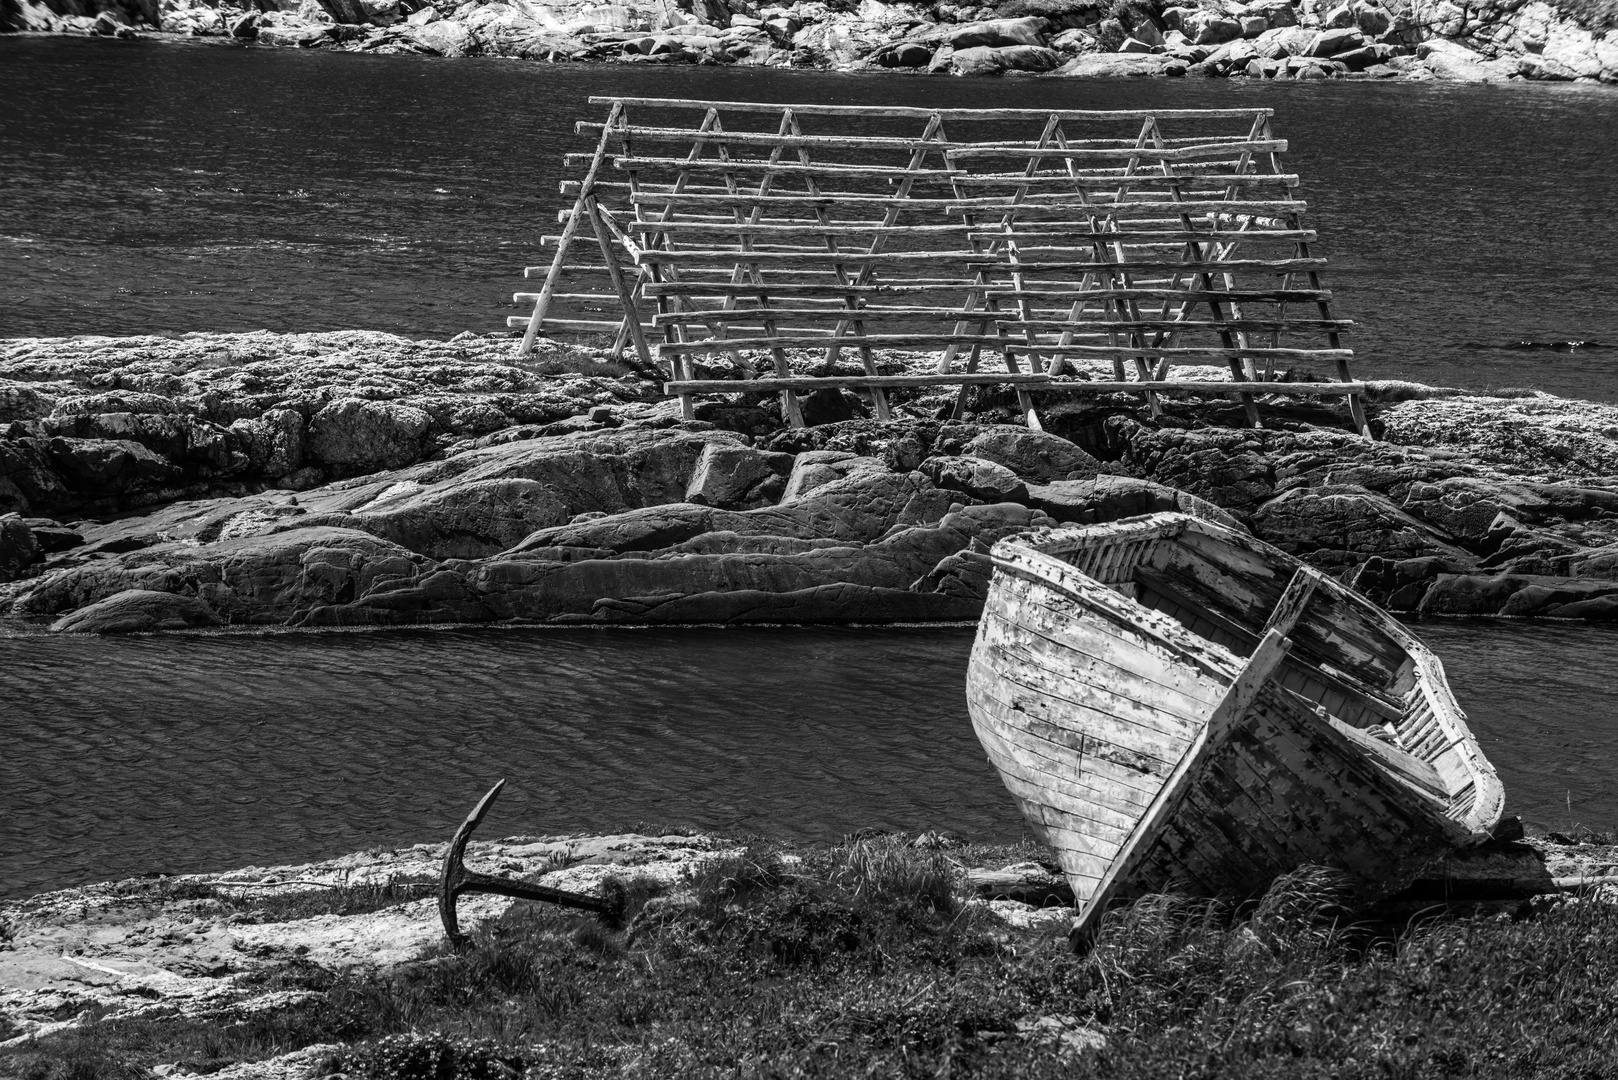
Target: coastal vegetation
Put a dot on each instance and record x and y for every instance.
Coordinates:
(873, 957)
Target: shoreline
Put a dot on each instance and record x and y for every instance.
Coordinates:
(1470, 41)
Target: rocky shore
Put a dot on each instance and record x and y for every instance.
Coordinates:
(264, 973)
(362, 479)
(1458, 40)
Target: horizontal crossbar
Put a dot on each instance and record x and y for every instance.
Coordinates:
(921, 113)
(783, 340)
(1022, 382)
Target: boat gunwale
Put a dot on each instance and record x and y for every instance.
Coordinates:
(1036, 554)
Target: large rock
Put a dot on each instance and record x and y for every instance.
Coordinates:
(446, 38)
(18, 547)
(1342, 526)
(355, 435)
(1210, 28)
(138, 611)
(1116, 65)
(1280, 43)
(1033, 455)
(734, 477)
(983, 60)
(815, 468)
(976, 477)
(995, 33)
(1332, 42)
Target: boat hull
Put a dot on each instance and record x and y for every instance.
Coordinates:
(1088, 704)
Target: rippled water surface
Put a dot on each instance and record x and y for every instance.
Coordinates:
(150, 187)
(187, 753)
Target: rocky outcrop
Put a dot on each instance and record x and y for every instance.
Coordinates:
(640, 525)
(1459, 40)
(103, 425)
(1470, 505)
(328, 480)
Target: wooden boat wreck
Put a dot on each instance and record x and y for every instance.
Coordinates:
(1177, 706)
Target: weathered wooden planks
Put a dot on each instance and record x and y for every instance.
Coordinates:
(1148, 756)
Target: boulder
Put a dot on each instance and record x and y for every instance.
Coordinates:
(354, 435)
(1276, 13)
(18, 547)
(1036, 456)
(1373, 21)
(996, 33)
(1280, 43)
(983, 60)
(816, 468)
(1210, 28)
(734, 477)
(136, 611)
(246, 27)
(1115, 65)
(1332, 42)
(1339, 17)
(1456, 63)
(907, 54)
(1342, 526)
(976, 477)
(445, 38)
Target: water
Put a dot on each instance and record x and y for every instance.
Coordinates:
(190, 752)
(152, 187)
(149, 187)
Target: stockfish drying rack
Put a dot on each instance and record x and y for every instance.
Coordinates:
(1145, 238)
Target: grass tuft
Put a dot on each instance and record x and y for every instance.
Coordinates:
(886, 870)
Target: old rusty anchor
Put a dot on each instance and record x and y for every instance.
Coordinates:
(457, 879)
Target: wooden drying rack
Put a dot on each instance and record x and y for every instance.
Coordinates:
(1094, 235)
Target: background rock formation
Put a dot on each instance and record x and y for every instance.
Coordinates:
(1461, 40)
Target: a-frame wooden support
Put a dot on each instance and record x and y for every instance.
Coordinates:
(1094, 245)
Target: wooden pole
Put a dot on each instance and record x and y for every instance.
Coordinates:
(569, 229)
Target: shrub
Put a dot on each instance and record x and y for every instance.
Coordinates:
(432, 1056)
